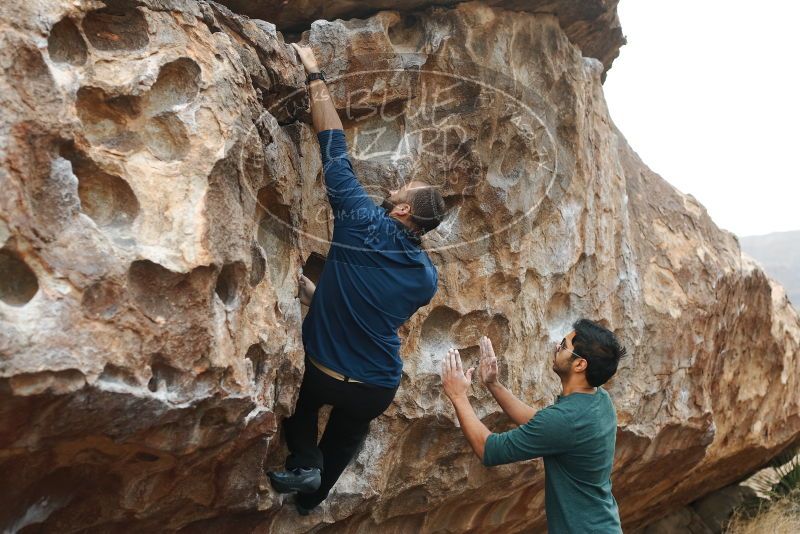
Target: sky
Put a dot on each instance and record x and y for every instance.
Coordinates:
(707, 92)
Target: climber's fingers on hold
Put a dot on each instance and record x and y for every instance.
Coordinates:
(306, 55)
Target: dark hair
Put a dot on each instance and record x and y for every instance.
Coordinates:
(600, 348)
(427, 208)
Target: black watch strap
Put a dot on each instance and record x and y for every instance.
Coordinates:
(315, 76)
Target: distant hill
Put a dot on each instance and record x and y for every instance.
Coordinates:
(779, 253)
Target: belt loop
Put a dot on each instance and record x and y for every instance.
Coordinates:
(346, 378)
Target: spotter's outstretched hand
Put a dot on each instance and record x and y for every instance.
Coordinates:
(487, 369)
(455, 382)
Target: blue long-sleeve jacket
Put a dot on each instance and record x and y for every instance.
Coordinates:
(375, 277)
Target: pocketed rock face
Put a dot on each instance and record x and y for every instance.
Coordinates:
(162, 186)
(146, 359)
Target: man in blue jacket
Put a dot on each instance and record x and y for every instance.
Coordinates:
(375, 277)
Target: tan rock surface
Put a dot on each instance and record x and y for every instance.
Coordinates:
(161, 187)
(592, 25)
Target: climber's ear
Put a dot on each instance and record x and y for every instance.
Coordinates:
(402, 209)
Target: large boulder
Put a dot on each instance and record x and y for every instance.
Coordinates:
(162, 186)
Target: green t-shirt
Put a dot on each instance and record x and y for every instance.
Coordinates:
(576, 438)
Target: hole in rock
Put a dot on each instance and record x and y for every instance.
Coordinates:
(258, 264)
(18, 283)
(159, 291)
(175, 297)
(271, 204)
(97, 104)
(106, 198)
(145, 457)
(164, 376)
(407, 34)
(259, 359)
(166, 137)
(274, 234)
(106, 118)
(178, 83)
(118, 375)
(437, 325)
(65, 43)
(229, 282)
(118, 26)
(274, 237)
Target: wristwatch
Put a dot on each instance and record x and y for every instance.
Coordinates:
(315, 76)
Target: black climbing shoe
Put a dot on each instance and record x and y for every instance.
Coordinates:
(301, 509)
(299, 479)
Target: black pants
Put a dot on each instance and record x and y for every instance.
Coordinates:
(354, 406)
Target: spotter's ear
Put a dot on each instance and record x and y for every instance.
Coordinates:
(579, 365)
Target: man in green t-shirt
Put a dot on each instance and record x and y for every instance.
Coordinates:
(575, 436)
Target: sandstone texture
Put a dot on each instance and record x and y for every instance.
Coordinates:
(161, 187)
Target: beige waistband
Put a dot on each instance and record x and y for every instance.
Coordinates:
(331, 373)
